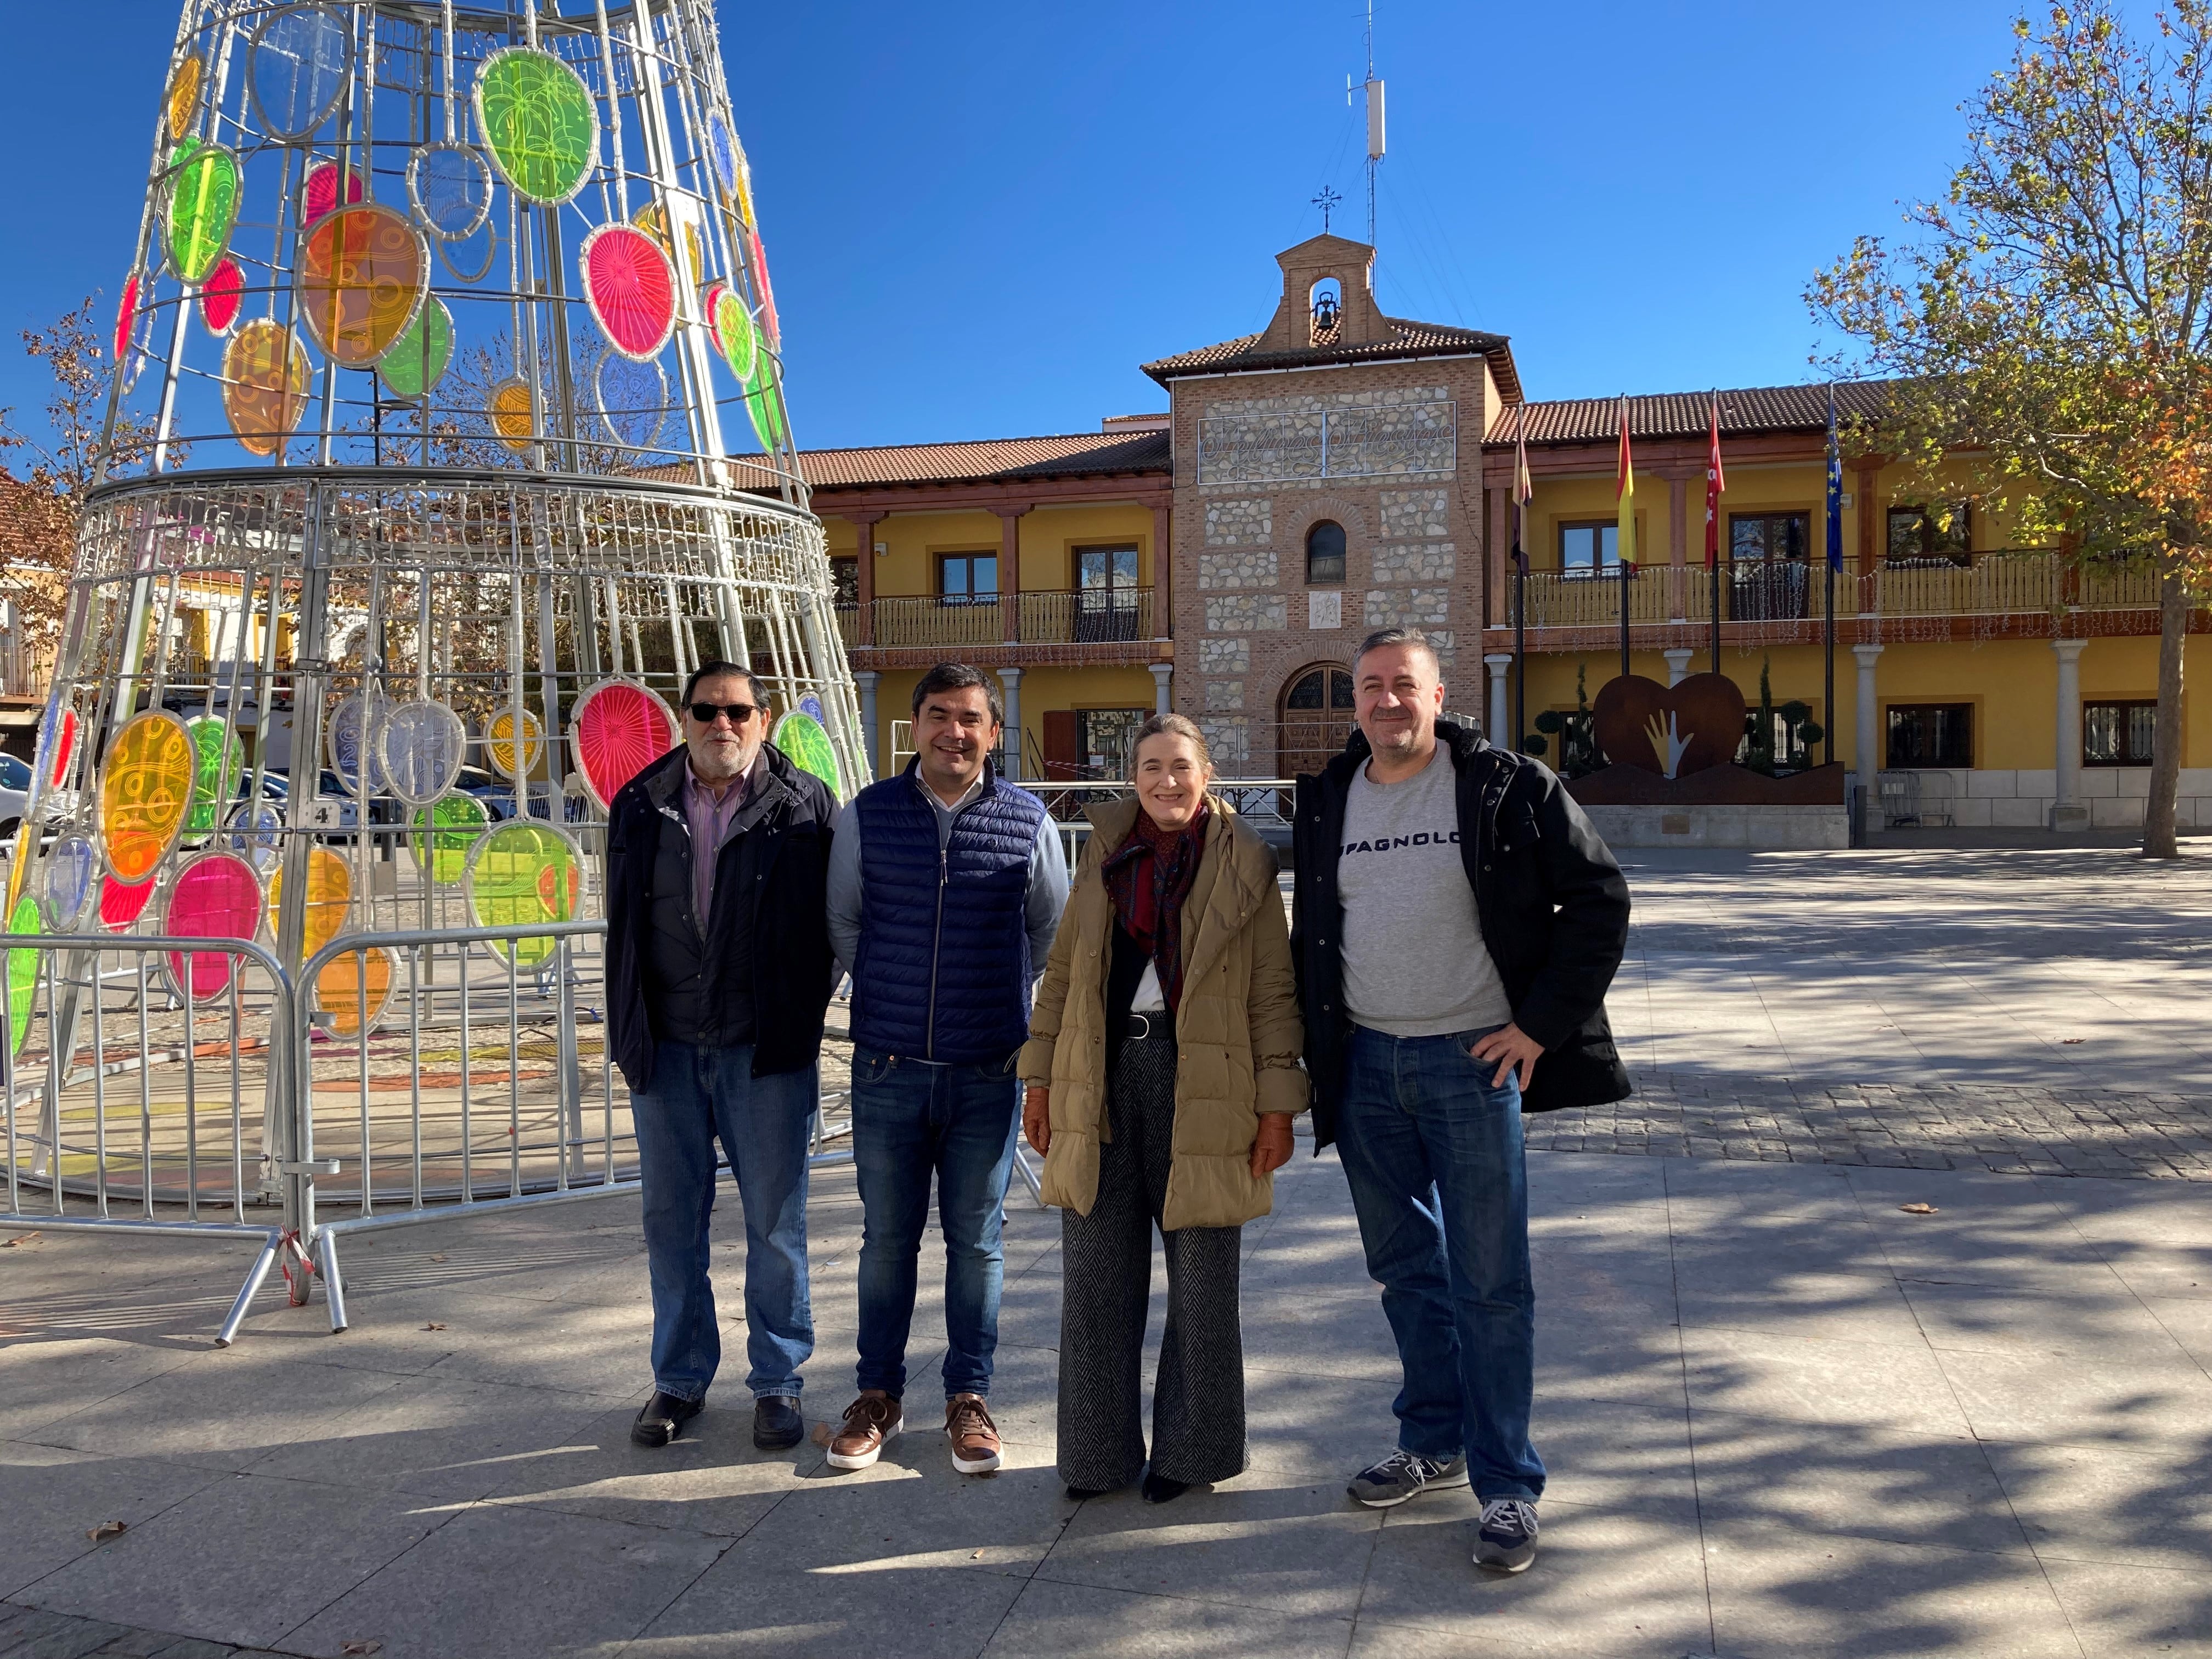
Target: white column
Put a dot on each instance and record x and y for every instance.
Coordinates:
(1501, 711)
(867, 679)
(2067, 812)
(1678, 664)
(1867, 753)
(1011, 678)
(1162, 673)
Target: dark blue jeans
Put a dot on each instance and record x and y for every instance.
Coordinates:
(698, 1096)
(1433, 1153)
(910, 1121)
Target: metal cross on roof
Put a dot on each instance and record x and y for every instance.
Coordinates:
(1327, 200)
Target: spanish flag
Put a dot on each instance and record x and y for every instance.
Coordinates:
(1624, 489)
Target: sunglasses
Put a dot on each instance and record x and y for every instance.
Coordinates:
(740, 713)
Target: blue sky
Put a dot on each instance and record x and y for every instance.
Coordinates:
(980, 219)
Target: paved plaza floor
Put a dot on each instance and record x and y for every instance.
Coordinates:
(1785, 1413)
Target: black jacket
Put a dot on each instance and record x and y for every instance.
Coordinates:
(1553, 906)
(781, 863)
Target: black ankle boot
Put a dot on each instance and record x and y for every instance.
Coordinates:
(1158, 1489)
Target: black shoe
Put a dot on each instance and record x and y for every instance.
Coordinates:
(1084, 1494)
(777, 1425)
(1158, 1489)
(663, 1418)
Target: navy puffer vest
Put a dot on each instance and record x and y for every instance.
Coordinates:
(945, 969)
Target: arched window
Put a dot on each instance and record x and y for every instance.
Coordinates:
(1325, 553)
(1316, 717)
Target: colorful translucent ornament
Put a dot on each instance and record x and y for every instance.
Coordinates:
(145, 790)
(508, 409)
(318, 195)
(766, 289)
(450, 185)
(202, 210)
(764, 404)
(721, 151)
(446, 831)
(522, 873)
(222, 296)
(539, 121)
(22, 973)
(499, 743)
(256, 833)
(734, 333)
(57, 747)
(353, 722)
(363, 271)
(302, 58)
(418, 751)
(216, 895)
(354, 991)
(329, 899)
(72, 871)
(181, 103)
(617, 729)
(418, 357)
(218, 759)
(632, 398)
(122, 903)
(630, 287)
(266, 371)
(801, 737)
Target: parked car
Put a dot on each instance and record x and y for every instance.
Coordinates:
(14, 794)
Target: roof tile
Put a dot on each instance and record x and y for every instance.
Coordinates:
(1409, 339)
(1683, 414)
(989, 459)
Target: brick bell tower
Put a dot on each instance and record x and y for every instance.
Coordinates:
(1328, 297)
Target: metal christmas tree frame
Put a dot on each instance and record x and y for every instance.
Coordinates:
(417, 506)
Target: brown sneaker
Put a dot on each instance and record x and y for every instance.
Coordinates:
(974, 1435)
(870, 1421)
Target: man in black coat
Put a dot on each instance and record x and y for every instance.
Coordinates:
(1457, 922)
(719, 972)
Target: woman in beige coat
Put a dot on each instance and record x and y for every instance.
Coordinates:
(1163, 1074)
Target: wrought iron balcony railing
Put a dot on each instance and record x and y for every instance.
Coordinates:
(1079, 616)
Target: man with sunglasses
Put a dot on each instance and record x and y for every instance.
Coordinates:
(718, 971)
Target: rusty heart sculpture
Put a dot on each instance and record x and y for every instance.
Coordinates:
(1672, 731)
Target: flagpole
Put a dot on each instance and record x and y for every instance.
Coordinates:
(1625, 567)
(1835, 562)
(1828, 695)
(1521, 634)
(1625, 549)
(1712, 527)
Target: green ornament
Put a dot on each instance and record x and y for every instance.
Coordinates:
(22, 973)
(539, 120)
(202, 209)
(733, 326)
(800, 736)
(454, 822)
(418, 357)
(764, 402)
(215, 775)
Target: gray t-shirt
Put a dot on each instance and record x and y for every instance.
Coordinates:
(1414, 963)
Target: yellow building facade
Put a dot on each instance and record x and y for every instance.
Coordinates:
(1342, 470)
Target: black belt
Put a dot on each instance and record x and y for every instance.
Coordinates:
(1157, 1026)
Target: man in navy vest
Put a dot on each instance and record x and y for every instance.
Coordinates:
(945, 888)
(718, 971)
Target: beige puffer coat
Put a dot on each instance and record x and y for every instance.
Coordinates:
(1237, 1033)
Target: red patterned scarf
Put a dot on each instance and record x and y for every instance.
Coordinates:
(1148, 877)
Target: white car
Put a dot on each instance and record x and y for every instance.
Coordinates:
(15, 794)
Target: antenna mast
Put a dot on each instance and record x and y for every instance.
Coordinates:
(1374, 91)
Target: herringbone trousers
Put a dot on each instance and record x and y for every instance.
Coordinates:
(1197, 1395)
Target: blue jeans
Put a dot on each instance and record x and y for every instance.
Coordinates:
(1432, 1151)
(697, 1094)
(909, 1120)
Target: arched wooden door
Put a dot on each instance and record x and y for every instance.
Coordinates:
(1314, 720)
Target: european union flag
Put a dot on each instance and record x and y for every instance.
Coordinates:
(1835, 490)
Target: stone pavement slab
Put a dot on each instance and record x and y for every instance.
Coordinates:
(1784, 1417)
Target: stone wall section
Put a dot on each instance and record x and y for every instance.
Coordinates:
(1414, 551)
(1239, 523)
(1217, 571)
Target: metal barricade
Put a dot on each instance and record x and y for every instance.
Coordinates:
(491, 1093)
(133, 1107)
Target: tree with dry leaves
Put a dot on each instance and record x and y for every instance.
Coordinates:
(43, 491)
(2051, 317)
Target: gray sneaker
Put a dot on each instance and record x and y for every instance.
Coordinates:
(1401, 1475)
(1507, 1540)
